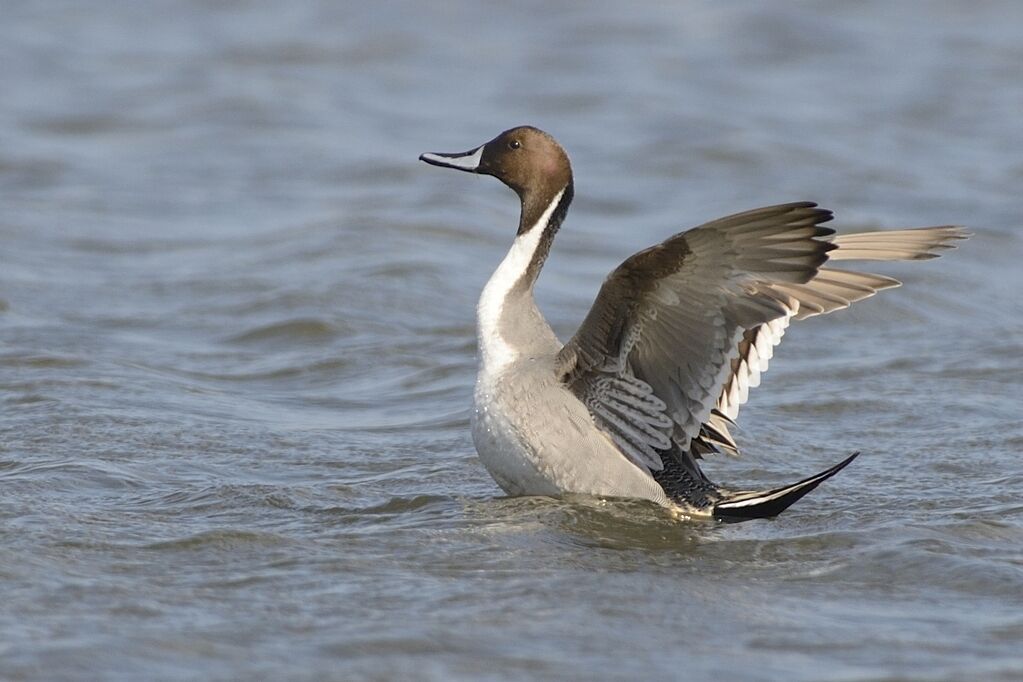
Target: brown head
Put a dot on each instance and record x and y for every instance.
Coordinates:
(526, 159)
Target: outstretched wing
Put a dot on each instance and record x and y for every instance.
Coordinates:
(653, 355)
(830, 290)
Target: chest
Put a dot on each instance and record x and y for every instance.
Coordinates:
(510, 449)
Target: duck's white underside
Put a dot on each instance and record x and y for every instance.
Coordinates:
(503, 452)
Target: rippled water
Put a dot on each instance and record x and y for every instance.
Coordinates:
(237, 351)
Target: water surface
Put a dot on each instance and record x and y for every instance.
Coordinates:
(237, 350)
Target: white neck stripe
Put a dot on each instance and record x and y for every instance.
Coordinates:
(494, 351)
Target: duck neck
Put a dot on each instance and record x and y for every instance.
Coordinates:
(539, 220)
(508, 321)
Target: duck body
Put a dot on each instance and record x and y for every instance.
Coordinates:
(677, 336)
(533, 449)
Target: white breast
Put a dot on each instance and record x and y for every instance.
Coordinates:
(503, 449)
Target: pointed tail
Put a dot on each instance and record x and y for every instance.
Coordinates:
(765, 503)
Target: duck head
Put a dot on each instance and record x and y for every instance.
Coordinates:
(526, 159)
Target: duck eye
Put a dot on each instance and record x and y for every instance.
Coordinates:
(514, 144)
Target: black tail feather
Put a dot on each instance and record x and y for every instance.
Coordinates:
(766, 503)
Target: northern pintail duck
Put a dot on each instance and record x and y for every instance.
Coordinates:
(677, 336)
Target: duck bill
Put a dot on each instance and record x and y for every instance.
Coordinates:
(465, 161)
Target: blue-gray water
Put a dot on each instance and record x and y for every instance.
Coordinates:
(237, 350)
